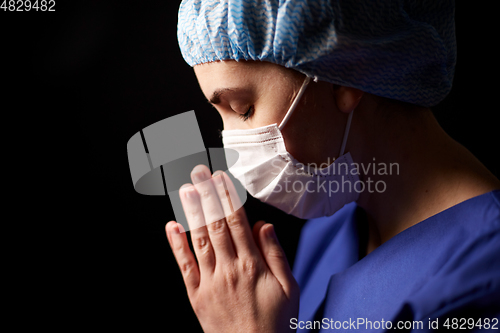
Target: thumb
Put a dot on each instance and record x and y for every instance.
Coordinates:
(275, 257)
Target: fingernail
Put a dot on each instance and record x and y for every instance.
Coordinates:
(217, 173)
(186, 190)
(200, 174)
(217, 178)
(180, 228)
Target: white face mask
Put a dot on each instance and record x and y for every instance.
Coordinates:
(271, 174)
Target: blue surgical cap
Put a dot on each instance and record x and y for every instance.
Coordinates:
(399, 49)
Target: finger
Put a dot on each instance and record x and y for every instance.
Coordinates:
(255, 232)
(231, 201)
(236, 219)
(168, 235)
(214, 214)
(183, 255)
(275, 257)
(223, 193)
(199, 235)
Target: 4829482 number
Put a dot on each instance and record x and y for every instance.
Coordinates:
(28, 5)
(463, 323)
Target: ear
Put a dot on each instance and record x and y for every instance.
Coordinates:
(347, 98)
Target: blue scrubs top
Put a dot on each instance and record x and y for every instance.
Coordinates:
(445, 267)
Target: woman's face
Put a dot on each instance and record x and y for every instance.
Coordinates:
(250, 94)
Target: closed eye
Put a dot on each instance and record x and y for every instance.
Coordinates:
(247, 114)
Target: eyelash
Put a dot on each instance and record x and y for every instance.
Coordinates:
(246, 115)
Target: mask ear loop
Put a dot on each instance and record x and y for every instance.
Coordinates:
(295, 102)
(346, 133)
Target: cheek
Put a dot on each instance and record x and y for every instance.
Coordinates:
(271, 112)
(297, 143)
(311, 136)
(230, 120)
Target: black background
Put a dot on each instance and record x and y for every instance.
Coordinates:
(80, 82)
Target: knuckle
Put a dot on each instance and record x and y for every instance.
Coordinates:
(230, 277)
(250, 267)
(205, 194)
(201, 242)
(186, 267)
(234, 221)
(275, 252)
(217, 226)
(194, 213)
(178, 248)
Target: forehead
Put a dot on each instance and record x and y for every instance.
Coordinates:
(243, 66)
(238, 74)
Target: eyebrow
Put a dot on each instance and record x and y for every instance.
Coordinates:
(215, 99)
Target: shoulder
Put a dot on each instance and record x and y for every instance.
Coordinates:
(467, 285)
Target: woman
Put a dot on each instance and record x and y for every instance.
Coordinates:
(286, 78)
